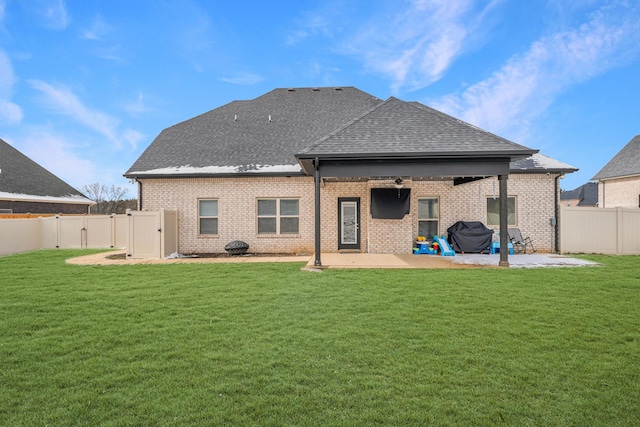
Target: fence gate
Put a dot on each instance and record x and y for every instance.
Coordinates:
(145, 234)
(151, 235)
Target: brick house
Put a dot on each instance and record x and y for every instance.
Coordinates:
(584, 196)
(27, 187)
(619, 180)
(312, 170)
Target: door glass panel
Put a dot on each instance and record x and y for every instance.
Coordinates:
(349, 223)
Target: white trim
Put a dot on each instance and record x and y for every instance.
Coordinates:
(74, 200)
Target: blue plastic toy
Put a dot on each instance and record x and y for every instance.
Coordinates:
(445, 248)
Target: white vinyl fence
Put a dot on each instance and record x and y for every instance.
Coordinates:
(600, 230)
(143, 234)
(154, 235)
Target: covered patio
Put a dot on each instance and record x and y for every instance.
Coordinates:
(399, 140)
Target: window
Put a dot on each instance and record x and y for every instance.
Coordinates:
(493, 211)
(278, 216)
(207, 217)
(428, 213)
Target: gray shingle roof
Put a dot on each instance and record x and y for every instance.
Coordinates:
(625, 163)
(262, 134)
(540, 163)
(396, 127)
(266, 134)
(587, 194)
(21, 176)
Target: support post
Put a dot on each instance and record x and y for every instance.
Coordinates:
(316, 175)
(504, 231)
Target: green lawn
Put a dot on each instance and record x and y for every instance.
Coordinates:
(271, 345)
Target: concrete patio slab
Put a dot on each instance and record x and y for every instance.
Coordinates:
(523, 260)
(361, 260)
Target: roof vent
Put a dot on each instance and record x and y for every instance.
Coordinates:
(315, 89)
(337, 88)
(291, 90)
(235, 118)
(269, 118)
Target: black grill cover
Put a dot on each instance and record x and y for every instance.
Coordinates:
(470, 236)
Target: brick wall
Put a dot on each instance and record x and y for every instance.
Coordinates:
(237, 210)
(622, 192)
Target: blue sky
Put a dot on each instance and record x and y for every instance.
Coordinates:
(85, 86)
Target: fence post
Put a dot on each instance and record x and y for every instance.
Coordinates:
(58, 231)
(561, 231)
(619, 231)
(161, 232)
(129, 251)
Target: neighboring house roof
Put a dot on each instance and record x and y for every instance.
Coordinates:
(587, 194)
(22, 179)
(625, 163)
(266, 135)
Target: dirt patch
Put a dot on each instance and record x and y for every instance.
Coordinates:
(226, 255)
(122, 256)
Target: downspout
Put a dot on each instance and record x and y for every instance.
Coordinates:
(139, 194)
(316, 175)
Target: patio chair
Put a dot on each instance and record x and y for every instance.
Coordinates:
(520, 243)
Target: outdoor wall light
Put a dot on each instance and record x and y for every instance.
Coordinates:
(398, 184)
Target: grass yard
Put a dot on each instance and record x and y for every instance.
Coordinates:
(270, 345)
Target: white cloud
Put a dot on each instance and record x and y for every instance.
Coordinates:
(98, 30)
(10, 113)
(52, 13)
(101, 44)
(509, 100)
(57, 155)
(308, 25)
(416, 46)
(137, 106)
(70, 157)
(243, 79)
(133, 137)
(66, 102)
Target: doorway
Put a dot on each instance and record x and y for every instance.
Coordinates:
(349, 223)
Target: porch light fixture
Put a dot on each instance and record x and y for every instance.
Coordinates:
(398, 184)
